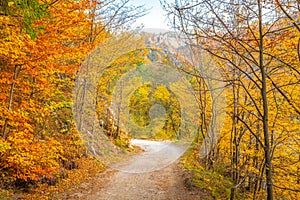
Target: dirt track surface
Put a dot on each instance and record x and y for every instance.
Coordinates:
(153, 174)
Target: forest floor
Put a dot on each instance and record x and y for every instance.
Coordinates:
(153, 174)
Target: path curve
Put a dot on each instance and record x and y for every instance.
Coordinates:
(152, 174)
(157, 155)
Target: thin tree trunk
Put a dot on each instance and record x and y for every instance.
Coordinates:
(11, 96)
(90, 39)
(119, 112)
(233, 141)
(265, 108)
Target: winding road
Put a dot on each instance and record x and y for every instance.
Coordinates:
(157, 155)
(152, 174)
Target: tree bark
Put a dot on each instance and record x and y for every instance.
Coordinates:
(265, 108)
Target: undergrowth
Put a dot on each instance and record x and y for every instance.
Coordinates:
(209, 179)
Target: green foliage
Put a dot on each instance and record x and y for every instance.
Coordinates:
(105, 88)
(123, 141)
(29, 10)
(212, 179)
(4, 194)
(147, 96)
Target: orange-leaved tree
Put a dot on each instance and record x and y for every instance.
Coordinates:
(37, 66)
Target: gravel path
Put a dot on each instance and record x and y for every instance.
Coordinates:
(153, 174)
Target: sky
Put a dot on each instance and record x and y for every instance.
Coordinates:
(155, 18)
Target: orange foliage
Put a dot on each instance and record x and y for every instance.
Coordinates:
(34, 74)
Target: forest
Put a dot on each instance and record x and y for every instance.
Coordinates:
(62, 113)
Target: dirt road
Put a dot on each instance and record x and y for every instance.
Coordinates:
(153, 174)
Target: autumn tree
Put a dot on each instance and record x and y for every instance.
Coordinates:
(108, 116)
(42, 45)
(247, 39)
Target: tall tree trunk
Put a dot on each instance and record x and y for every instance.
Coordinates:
(265, 107)
(233, 140)
(90, 41)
